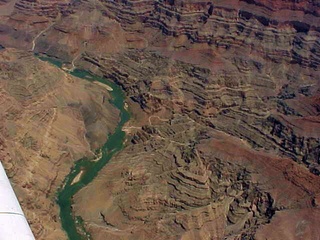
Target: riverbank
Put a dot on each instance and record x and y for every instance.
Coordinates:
(85, 170)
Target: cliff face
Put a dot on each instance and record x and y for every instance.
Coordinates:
(225, 99)
(281, 30)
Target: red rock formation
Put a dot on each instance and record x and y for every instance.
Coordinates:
(225, 137)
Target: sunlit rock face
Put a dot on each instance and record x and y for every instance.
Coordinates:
(224, 141)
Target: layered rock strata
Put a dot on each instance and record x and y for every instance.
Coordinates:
(42, 7)
(186, 180)
(225, 139)
(244, 100)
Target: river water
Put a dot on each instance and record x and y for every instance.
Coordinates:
(73, 225)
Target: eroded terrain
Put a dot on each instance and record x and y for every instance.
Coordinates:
(48, 120)
(224, 95)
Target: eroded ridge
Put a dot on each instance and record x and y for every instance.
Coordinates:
(224, 141)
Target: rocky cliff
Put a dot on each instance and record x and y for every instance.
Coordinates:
(225, 140)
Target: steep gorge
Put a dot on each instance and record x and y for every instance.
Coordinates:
(225, 141)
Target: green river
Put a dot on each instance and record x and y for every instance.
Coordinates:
(73, 225)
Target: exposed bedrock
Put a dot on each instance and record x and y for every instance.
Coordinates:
(184, 179)
(244, 101)
(181, 180)
(278, 29)
(224, 138)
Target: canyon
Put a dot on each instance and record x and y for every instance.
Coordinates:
(224, 137)
(48, 120)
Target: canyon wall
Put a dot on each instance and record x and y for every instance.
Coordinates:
(225, 139)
